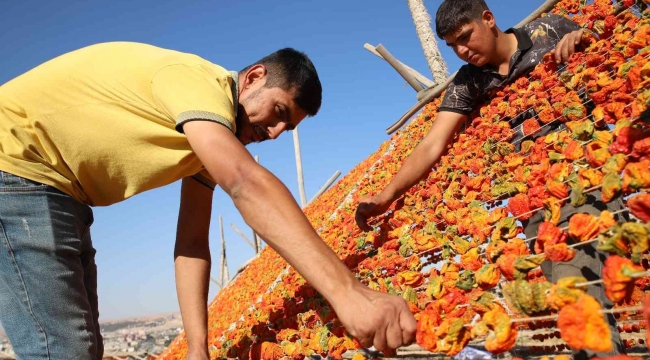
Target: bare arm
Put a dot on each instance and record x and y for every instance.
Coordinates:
(268, 207)
(416, 166)
(192, 264)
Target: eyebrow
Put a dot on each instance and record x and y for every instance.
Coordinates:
(462, 33)
(287, 115)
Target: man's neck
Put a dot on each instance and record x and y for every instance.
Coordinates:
(507, 45)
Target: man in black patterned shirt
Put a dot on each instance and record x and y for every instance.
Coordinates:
(495, 58)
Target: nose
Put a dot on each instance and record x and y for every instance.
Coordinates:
(462, 50)
(275, 131)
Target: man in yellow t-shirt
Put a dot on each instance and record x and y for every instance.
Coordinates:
(103, 123)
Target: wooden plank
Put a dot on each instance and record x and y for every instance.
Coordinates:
(242, 235)
(256, 238)
(419, 77)
(224, 260)
(399, 68)
(301, 181)
(326, 186)
(215, 281)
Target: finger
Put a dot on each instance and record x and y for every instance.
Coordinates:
(394, 337)
(409, 326)
(380, 339)
(579, 36)
(558, 52)
(565, 50)
(571, 47)
(361, 219)
(366, 342)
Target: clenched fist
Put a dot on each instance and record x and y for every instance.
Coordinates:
(377, 319)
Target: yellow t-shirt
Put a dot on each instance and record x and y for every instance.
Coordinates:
(103, 123)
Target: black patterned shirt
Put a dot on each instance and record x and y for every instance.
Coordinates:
(473, 85)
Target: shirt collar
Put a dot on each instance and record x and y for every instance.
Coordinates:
(524, 42)
(235, 93)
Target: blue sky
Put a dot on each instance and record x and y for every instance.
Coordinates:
(362, 96)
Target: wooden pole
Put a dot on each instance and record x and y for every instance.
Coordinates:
(224, 260)
(419, 77)
(248, 241)
(215, 281)
(326, 186)
(399, 68)
(545, 7)
(258, 243)
(301, 181)
(256, 238)
(422, 22)
(427, 95)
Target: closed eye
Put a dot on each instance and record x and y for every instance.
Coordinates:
(284, 116)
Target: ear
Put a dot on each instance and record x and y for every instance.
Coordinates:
(254, 75)
(488, 19)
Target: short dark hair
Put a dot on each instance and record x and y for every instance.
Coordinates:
(452, 14)
(291, 70)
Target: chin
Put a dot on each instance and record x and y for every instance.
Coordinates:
(481, 62)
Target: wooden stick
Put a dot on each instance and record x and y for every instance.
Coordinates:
(256, 239)
(545, 7)
(215, 281)
(258, 243)
(419, 77)
(554, 317)
(301, 181)
(325, 187)
(633, 276)
(399, 68)
(242, 235)
(224, 261)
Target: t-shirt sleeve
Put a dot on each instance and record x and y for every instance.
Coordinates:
(204, 178)
(461, 95)
(558, 26)
(188, 93)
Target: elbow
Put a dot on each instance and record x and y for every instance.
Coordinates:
(246, 183)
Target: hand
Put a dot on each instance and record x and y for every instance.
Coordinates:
(567, 46)
(376, 319)
(198, 354)
(370, 207)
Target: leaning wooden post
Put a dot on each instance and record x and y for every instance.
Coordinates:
(419, 77)
(326, 186)
(242, 235)
(256, 238)
(399, 68)
(215, 281)
(301, 181)
(258, 243)
(224, 260)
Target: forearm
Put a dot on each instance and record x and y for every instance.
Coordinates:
(425, 155)
(416, 166)
(192, 261)
(192, 277)
(268, 207)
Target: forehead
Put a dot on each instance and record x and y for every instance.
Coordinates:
(459, 32)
